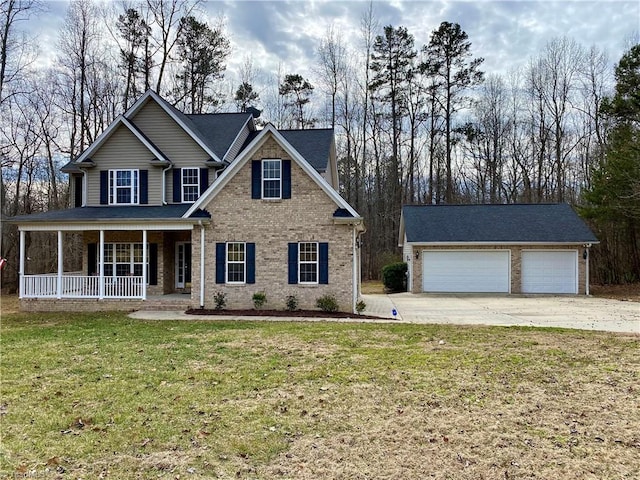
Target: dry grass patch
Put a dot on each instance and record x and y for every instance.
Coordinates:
(103, 396)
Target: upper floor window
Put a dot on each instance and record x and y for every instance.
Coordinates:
(190, 184)
(271, 179)
(123, 187)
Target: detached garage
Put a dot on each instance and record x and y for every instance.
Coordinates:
(532, 248)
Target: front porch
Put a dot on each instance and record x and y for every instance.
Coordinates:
(171, 301)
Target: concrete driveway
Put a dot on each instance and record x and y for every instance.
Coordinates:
(586, 313)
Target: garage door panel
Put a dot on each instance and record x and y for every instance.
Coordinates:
(485, 271)
(550, 271)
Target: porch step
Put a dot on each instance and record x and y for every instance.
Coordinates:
(165, 305)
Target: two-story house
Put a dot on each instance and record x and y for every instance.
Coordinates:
(170, 203)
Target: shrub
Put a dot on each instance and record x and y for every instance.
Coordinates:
(327, 303)
(259, 299)
(220, 299)
(292, 303)
(360, 307)
(394, 277)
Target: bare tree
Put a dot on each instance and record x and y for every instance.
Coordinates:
(167, 15)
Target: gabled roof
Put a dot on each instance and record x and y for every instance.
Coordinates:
(220, 130)
(110, 130)
(515, 223)
(246, 154)
(180, 118)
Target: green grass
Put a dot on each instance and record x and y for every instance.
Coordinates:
(85, 395)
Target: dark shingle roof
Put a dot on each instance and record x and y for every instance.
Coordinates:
(164, 212)
(217, 130)
(314, 145)
(535, 223)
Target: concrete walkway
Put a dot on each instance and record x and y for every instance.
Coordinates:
(584, 313)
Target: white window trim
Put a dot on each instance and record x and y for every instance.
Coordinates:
(182, 184)
(306, 262)
(262, 179)
(235, 262)
(134, 188)
(111, 248)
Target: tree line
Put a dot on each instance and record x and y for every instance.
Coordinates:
(414, 124)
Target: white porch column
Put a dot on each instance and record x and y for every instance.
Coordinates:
(101, 266)
(144, 264)
(21, 273)
(60, 263)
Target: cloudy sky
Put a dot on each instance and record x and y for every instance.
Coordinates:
(505, 33)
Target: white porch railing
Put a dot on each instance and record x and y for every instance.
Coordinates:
(81, 286)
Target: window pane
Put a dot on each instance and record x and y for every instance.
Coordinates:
(123, 269)
(123, 252)
(123, 178)
(308, 272)
(235, 272)
(271, 189)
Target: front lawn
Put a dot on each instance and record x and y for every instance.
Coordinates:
(104, 396)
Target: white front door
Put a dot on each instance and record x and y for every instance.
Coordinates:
(466, 271)
(183, 264)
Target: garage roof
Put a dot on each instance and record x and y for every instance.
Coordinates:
(518, 223)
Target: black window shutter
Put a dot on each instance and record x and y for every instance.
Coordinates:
(77, 197)
(144, 187)
(323, 255)
(286, 179)
(256, 179)
(221, 254)
(251, 262)
(92, 259)
(153, 264)
(177, 182)
(204, 180)
(293, 263)
(104, 187)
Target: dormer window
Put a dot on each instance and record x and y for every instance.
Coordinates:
(123, 187)
(190, 184)
(271, 179)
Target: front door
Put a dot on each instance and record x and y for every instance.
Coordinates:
(183, 264)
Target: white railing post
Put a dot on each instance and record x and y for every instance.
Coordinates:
(60, 264)
(144, 264)
(101, 267)
(21, 274)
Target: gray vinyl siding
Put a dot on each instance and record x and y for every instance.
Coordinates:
(235, 148)
(169, 137)
(123, 150)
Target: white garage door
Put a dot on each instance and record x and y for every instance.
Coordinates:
(550, 271)
(477, 271)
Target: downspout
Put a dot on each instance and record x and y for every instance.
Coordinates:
(586, 288)
(201, 263)
(354, 279)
